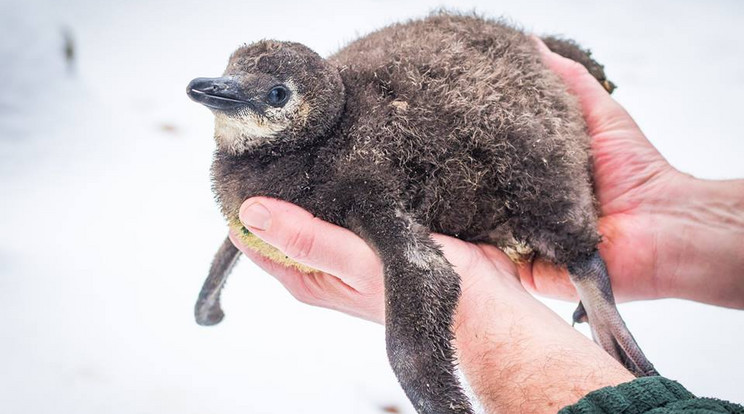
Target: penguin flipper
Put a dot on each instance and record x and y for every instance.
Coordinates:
(207, 310)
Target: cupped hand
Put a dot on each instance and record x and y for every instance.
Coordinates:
(349, 275)
(636, 189)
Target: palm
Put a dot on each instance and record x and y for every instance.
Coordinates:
(630, 180)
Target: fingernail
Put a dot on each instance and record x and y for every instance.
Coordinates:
(255, 216)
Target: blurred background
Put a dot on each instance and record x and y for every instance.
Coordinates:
(108, 225)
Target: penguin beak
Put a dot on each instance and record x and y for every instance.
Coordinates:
(222, 94)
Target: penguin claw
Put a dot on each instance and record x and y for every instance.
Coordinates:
(579, 315)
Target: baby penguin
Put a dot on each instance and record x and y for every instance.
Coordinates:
(449, 124)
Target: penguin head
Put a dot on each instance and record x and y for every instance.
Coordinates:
(271, 92)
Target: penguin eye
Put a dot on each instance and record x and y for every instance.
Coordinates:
(278, 96)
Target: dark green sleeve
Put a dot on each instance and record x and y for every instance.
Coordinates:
(650, 395)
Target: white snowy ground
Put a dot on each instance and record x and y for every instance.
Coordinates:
(107, 223)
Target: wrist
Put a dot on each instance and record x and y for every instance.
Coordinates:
(520, 356)
(706, 242)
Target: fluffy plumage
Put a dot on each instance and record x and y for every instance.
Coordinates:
(457, 118)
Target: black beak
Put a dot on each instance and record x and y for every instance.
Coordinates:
(217, 93)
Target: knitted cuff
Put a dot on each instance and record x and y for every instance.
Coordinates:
(650, 395)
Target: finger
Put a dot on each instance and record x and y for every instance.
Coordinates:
(546, 279)
(475, 258)
(289, 277)
(311, 241)
(312, 289)
(321, 289)
(600, 110)
(472, 261)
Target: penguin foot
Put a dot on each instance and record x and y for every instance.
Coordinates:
(597, 306)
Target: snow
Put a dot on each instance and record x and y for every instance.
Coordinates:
(107, 222)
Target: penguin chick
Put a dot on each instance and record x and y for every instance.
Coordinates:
(449, 124)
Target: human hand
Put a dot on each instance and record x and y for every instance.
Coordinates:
(349, 273)
(349, 276)
(516, 353)
(665, 233)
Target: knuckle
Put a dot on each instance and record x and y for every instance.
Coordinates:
(301, 296)
(300, 245)
(314, 288)
(307, 291)
(298, 290)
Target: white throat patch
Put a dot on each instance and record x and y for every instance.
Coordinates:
(239, 132)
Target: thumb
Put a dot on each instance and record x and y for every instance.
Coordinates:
(310, 240)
